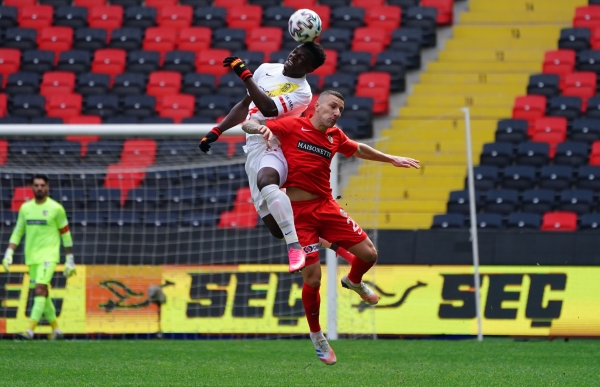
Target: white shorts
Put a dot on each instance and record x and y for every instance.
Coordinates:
(259, 157)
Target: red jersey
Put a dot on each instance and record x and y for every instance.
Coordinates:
(309, 151)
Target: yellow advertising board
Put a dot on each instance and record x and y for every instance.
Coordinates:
(266, 299)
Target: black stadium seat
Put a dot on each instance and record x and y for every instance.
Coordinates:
(493, 221)
(23, 83)
(588, 177)
(532, 153)
(143, 61)
(129, 83)
(337, 39)
(423, 18)
(393, 63)
(586, 129)
(20, 38)
(458, 202)
(38, 61)
(544, 84)
(126, 38)
(212, 17)
(524, 220)
(278, 17)
(501, 201)
(347, 17)
(589, 60)
(28, 105)
(77, 61)
(556, 177)
(485, 178)
(577, 39)
(571, 153)
(139, 17)
(101, 105)
(198, 84)
(589, 222)
(518, 177)
(497, 154)
(253, 59)
(8, 17)
(562, 106)
(181, 61)
(593, 108)
(231, 85)
(74, 17)
(580, 201)
(92, 83)
(139, 105)
(448, 221)
(341, 82)
(511, 130)
(232, 39)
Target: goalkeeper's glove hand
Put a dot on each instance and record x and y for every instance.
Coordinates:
(8, 258)
(239, 66)
(69, 266)
(211, 136)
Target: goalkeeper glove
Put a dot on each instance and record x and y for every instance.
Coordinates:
(69, 266)
(8, 258)
(239, 66)
(211, 136)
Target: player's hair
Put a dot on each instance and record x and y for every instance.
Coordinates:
(40, 176)
(317, 52)
(332, 92)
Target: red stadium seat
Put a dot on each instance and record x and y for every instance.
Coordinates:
(163, 83)
(559, 221)
(229, 3)
(63, 105)
(595, 153)
(139, 152)
(242, 216)
(3, 103)
(595, 38)
(84, 120)
(57, 82)
(90, 3)
(160, 39)
(83, 140)
(177, 107)
(20, 196)
(580, 84)
(3, 151)
(377, 86)
(10, 61)
(324, 13)
(55, 39)
(587, 16)
(530, 108)
(330, 64)
(124, 177)
(299, 4)
(561, 62)
(369, 39)
(246, 17)
(36, 16)
(551, 130)
(366, 4)
(194, 39)
(445, 10)
(175, 16)
(109, 61)
(20, 3)
(264, 39)
(386, 17)
(161, 3)
(108, 17)
(211, 62)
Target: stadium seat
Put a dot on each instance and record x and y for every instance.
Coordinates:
(377, 86)
(122, 179)
(595, 38)
(194, 39)
(176, 16)
(231, 85)
(27, 105)
(579, 201)
(123, 218)
(493, 221)
(445, 10)
(20, 38)
(57, 82)
(88, 219)
(26, 152)
(84, 120)
(501, 201)
(551, 130)
(347, 17)
(198, 84)
(576, 39)
(90, 39)
(143, 61)
(36, 16)
(533, 153)
(580, 84)
(354, 62)
(129, 83)
(588, 177)
(180, 198)
(569, 107)
(510, 130)
(109, 61)
(8, 17)
(20, 195)
(74, 17)
(162, 83)
(593, 112)
(253, 59)
(589, 222)
(560, 62)
(211, 62)
(199, 219)
(360, 108)
(55, 39)
(587, 17)
(382, 16)
(519, 177)
(556, 177)
(22, 83)
(63, 105)
(138, 106)
(126, 38)
(485, 178)
(497, 154)
(101, 105)
(212, 106)
(595, 153)
(77, 61)
(127, 120)
(160, 39)
(571, 153)
(90, 3)
(72, 199)
(177, 107)
(161, 219)
(139, 17)
(279, 16)
(559, 221)
(180, 61)
(458, 202)
(138, 152)
(211, 17)
(546, 85)
(246, 17)
(3, 105)
(33, 60)
(107, 17)
(144, 200)
(529, 108)
(160, 3)
(103, 152)
(407, 39)
(524, 220)
(63, 153)
(10, 61)
(90, 83)
(337, 39)
(175, 152)
(589, 60)
(233, 39)
(448, 221)
(424, 18)
(393, 63)
(264, 39)
(341, 82)
(369, 39)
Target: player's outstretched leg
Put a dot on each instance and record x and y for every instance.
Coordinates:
(366, 256)
(312, 304)
(50, 314)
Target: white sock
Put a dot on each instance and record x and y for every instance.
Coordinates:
(281, 208)
(30, 332)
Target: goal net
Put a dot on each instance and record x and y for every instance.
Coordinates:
(166, 238)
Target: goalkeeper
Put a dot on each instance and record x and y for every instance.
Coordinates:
(44, 220)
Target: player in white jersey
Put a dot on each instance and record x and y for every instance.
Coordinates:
(274, 91)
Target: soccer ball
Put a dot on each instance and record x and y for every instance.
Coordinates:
(304, 25)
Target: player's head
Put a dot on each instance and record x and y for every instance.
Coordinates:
(304, 59)
(39, 185)
(328, 109)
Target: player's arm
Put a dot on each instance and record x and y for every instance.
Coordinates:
(236, 115)
(67, 241)
(369, 153)
(14, 241)
(263, 102)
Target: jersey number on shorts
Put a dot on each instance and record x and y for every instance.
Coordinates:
(355, 227)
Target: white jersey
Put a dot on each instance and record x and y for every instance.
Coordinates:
(291, 95)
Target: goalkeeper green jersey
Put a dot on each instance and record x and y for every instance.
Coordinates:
(43, 225)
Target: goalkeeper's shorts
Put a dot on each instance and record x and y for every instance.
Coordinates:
(41, 273)
(324, 218)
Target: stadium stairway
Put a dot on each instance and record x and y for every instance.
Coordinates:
(494, 48)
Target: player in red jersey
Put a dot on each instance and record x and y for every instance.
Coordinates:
(309, 145)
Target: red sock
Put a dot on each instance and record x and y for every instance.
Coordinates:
(348, 256)
(359, 267)
(312, 302)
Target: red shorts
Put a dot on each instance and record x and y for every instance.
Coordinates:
(326, 219)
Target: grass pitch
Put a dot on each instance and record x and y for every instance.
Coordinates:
(495, 362)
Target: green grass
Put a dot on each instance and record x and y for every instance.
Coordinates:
(365, 363)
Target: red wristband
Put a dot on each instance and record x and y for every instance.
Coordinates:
(216, 131)
(245, 74)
